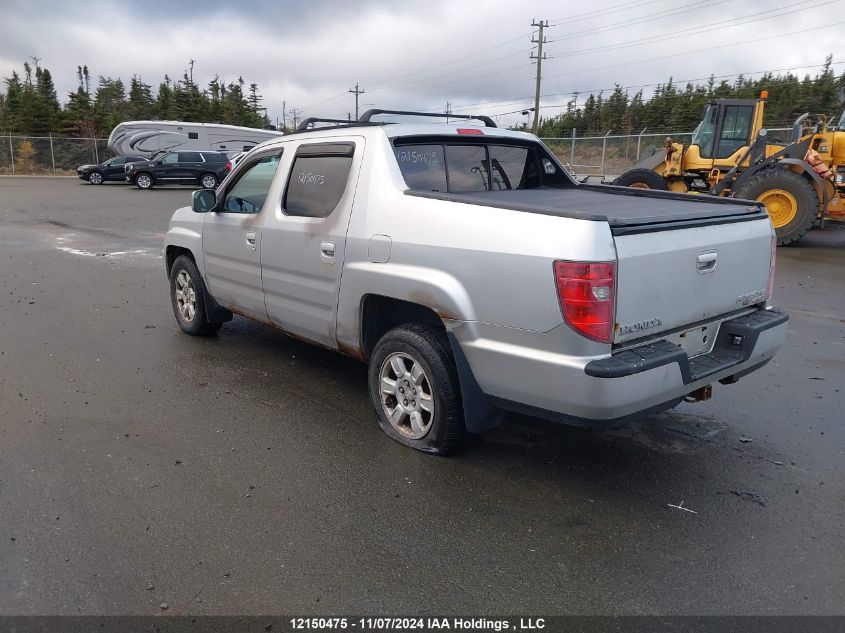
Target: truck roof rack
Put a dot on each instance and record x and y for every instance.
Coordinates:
(488, 122)
(315, 119)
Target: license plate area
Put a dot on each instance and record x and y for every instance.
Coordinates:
(696, 341)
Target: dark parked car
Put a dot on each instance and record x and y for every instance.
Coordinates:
(112, 169)
(205, 169)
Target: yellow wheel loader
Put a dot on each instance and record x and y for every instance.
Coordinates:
(802, 183)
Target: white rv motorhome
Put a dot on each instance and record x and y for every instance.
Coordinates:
(147, 138)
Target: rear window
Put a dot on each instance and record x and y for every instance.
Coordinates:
(513, 168)
(190, 157)
(467, 168)
(214, 157)
(423, 167)
(318, 179)
(472, 167)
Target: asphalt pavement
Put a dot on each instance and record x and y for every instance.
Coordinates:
(245, 473)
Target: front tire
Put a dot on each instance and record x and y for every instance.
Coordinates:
(415, 391)
(642, 179)
(790, 199)
(95, 178)
(208, 181)
(144, 181)
(187, 296)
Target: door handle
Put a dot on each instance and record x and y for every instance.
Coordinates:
(706, 262)
(250, 241)
(327, 251)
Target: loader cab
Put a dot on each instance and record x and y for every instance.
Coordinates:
(727, 126)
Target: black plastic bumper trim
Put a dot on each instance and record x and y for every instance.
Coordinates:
(727, 351)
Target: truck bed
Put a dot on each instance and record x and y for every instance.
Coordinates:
(626, 210)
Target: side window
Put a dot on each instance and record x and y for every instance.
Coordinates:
(190, 157)
(736, 128)
(706, 131)
(318, 179)
(467, 168)
(249, 192)
(422, 166)
(170, 159)
(194, 135)
(118, 160)
(513, 168)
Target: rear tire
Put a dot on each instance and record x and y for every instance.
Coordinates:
(791, 201)
(208, 181)
(415, 391)
(642, 179)
(187, 296)
(144, 181)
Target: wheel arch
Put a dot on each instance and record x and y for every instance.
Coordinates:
(380, 313)
(208, 172)
(214, 312)
(796, 165)
(143, 172)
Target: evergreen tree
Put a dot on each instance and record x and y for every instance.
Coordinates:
(140, 105)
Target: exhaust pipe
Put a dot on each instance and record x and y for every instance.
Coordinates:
(699, 395)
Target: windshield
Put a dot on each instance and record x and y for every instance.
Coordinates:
(706, 130)
(841, 124)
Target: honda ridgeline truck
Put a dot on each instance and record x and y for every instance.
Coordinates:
(476, 277)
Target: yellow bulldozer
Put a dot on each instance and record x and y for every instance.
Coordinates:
(801, 182)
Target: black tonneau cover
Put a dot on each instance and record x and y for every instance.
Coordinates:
(626, 210)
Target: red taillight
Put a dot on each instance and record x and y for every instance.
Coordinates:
(229, 166)
(587, 294)
(470, 130)
(771, 288)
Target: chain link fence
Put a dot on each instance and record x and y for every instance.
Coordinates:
(611, 155)
(58, 155)
(608, 155)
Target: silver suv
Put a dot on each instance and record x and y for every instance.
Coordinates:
(476, 277)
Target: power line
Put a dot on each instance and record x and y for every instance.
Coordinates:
(527, 99)
(702, 50)
(457, 59)
(697, 30)
(437, 82)
(632, 22)
(431, 68)
(587, 15)
(308, 107)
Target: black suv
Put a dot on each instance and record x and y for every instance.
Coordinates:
(112, 169)
(205, 169)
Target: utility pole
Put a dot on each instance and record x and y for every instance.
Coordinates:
(284, 117)
(357, 91)
(539, 57)
(448, 110)
(295, 112)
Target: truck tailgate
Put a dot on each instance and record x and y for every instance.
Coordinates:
(675, 277)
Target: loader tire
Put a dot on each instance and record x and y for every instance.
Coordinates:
(790, 199)
(642, 179)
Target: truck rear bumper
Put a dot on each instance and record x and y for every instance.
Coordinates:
(527, 377)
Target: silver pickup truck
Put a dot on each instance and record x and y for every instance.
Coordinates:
(475, 276)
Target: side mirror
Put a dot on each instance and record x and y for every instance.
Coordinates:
(203, 201)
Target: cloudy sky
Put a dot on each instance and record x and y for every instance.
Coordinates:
(420, 54)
